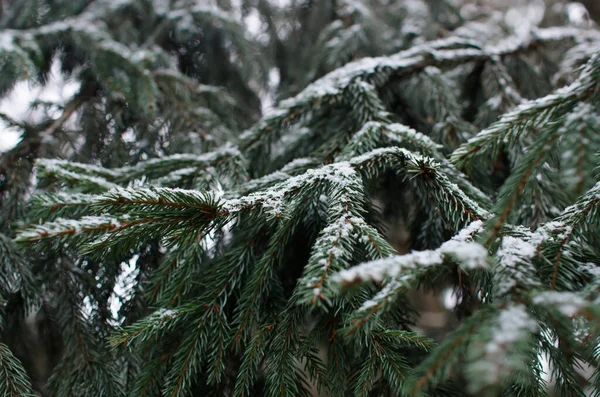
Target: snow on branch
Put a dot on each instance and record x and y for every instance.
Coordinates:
(70, 227)
(150, 199)
(511, 125)
(159, 321)
(503, 353)
(80, 168)
(365, 104)
(373, 132)
(567, 303)
(336, 243)
(58, 169)
(271, 199)
(400, 272)
(227, 159)
(293, 168)
(580, 149)
(60, 204)
(460, 249)
(332, 251)
(516, 274)
(415, 59)
(429, 175)
(515, 269)
(442, 54)
(153, 207)
(446, 193)
(585, 211)
(161, 207)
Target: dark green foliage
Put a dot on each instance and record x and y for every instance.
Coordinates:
(184, 237)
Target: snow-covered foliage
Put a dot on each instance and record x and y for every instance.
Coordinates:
(280, 183)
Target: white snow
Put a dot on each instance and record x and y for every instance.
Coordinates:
(546, 232)
(512, 325)
(514, 264)
(514, 250)
(461, 248)
(327, 252)
(568, 303)
(68, 226)
(469, 255)
(271, 199)
(165, 314)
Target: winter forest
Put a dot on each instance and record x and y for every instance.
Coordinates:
(280, 198)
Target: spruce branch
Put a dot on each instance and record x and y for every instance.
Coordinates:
(91, 184)
(160, 321)
(519, 179)
(576, 219)
(282, 363)
(168, 170)
(252, 358)
(514, 270)
(508, 341)
(400, 272)
(13, 271)
(186, 362)
(260, 280)
(49, 206)
(583, 213)
(14, 381)
(68, 227)
(438, 366)
(293, 168)
(374, 133)
(442, 54)
(333, 248)
(263, 263)
(520, 122)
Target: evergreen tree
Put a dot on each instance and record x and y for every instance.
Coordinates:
(184, 237)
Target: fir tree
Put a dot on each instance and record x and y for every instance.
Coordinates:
(256, 246)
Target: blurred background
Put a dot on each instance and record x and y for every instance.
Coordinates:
(286, 26)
